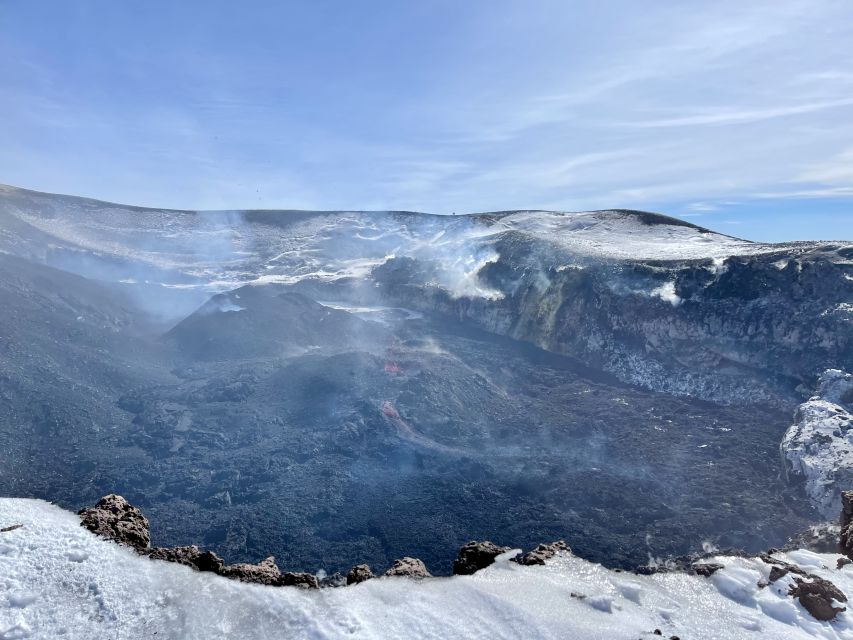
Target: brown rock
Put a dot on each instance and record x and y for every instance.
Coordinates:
(542, 553)
(190, 556)
(265, 572)
(116, 519)
(818, 596)
(359, 573)
(475, 556)
(409, 568)
(301, 580)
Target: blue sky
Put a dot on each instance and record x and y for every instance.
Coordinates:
(735, 115)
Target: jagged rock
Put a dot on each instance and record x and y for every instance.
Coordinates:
(818, 597)
(359, 573)
(542, 553)
(115, 518)
(842, 562)
(475, 556)
(820, 538)
(846, 537)
(816, 449)
(780, 568)
(265, 572)
(333, 581)
(190, 556)
(706, 569)
(302, 580)
(409, 568)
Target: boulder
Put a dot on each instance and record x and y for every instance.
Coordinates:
(475, 556)
(265, 572)
(818, 597)
(359, 573)
(116, 519)
(190, 556)
(301, 580)
(706, 569)
(409, 568)
(542, 553)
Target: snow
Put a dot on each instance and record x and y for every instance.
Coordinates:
(819, 446)
(57, 580)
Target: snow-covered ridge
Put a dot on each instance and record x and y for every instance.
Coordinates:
(59, 580)
(818, 448)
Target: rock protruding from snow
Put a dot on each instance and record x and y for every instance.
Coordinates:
(846, 537)
(475, 556)
(265, 572)
(543, 552)
(359, 573)
(190, 556)
(115, 518)
(818, 596)
(409, 568)
(818, 448)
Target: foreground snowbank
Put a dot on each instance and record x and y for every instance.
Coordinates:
(57, 580)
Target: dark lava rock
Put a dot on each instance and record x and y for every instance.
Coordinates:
(542, 553)
(190, 556)
(333, 581)
(843, 562)
(821, 538)
(409, 568)
(359, 573)
(475, 556)
(115, 518)
(846, 539)
(301, 580)
(817, 597)
(706, 569)
(265, 572)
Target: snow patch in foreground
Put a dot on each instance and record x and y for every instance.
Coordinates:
(57, 580)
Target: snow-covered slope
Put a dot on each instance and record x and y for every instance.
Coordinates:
(818, 448)
(57, 580)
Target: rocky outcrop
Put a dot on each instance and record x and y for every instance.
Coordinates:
(116, 519)
(542, 553)
(846, 536)
(409, 568)
(818, 596)
(359, 573)
(818, 449)
(820, 538)
(265, 572)
(475, 556)
(190, 556)
(302, 580)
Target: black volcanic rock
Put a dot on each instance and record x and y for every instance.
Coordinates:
(115, 518)
(846, 539)
(190, 556)
(475, 556)
(252, 322)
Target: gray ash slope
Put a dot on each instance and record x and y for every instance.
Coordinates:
(344, 387)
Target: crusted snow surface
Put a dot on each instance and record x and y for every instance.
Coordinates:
(819, 447)
(57, 580)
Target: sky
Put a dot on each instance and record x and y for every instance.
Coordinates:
(737, 116)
